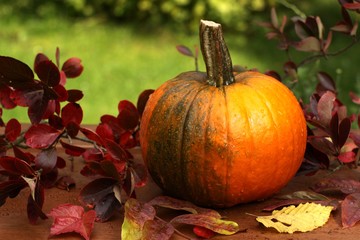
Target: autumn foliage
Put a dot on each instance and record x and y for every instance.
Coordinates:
(56, 121)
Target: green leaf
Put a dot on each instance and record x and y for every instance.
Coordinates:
(136, 214)
(213, 223)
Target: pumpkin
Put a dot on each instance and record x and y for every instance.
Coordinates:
(217, 139)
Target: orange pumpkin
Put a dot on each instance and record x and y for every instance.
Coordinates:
(219, 140)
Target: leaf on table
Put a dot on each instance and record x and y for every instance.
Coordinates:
(176, 204)
(157, 229)
(203, 233)
(305, 217)
(72, 218)
(346, 186)
(305, 195)
(350, 210)
(136, 214)
(210, 222)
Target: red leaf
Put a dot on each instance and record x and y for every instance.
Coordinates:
(72, 149)
(142, 100)
(74, 95)
(93, 154)
(48, 72)
(71, 112)
(41, 136)
(14, 72)
(26, 156)
(40, 57)
(61, 92)
(350, 210)
(128, 116)
(72, 218)
(16, 166)
(105, 131)
(347, 157)
(93, 136)
(355, 98)
(184, 50)
(203, 232)
(11, 189)
(5, 99)
(352, 6)
(72, 67)
(35, 204)
(116, 151)
(72, 129)
(12, 129)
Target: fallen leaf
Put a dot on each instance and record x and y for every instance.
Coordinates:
(346, 186)
(350, 210)
(157, 229)
(136, 214)
(176, 204)
(72, 218)
(305, 217)
(213, 223)
(304, 195)
(203, 232)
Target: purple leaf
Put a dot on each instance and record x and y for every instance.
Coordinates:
(346, 186)
(95, 191)
(157, 229)
(184, 50)
(302, 30)
(325, 106)
(46, 159)
(326, 81)
(350, 210)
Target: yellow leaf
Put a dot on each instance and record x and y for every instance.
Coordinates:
(305, 217)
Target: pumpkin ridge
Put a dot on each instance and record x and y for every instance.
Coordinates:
(183, 151)
(228, 160)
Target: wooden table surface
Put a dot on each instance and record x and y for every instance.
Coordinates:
(14, 223)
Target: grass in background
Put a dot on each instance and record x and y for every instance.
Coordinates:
(121, 61)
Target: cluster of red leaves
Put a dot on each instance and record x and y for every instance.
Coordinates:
(56, 117)
(18, 87)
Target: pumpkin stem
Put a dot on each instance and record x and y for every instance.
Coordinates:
(216, 54)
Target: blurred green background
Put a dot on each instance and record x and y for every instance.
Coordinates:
(127, 46)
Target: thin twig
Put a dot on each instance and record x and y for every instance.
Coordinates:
(315, 57)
